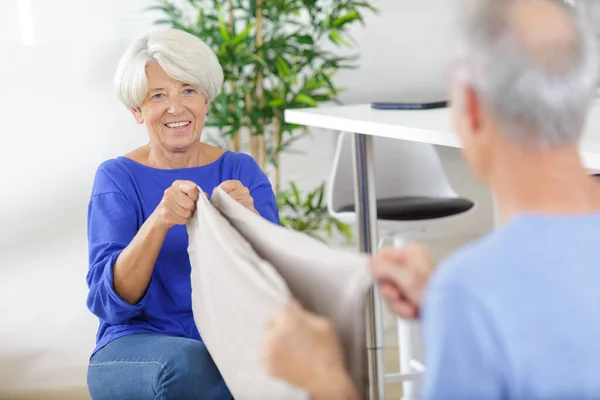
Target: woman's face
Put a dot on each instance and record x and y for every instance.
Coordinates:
(173, 111)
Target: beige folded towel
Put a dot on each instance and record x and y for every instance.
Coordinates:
(244, 268)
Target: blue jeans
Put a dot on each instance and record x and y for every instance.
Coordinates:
(154, 366)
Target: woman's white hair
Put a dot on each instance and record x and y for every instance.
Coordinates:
(183, 56)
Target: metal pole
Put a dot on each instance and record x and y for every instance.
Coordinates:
(366, 214)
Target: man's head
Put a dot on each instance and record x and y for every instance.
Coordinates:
(523, 75)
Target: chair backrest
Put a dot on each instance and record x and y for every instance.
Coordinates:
(402, 169)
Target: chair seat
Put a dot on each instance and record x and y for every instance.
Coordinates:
(417, 208)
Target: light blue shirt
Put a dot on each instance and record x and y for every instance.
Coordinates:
(516, 315)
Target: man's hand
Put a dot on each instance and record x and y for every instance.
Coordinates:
(239, 193)
(403, 274)
(303, 349)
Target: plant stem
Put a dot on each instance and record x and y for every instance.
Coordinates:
(262, 157)
(235, 139)
(260, 145)
(249, 127)
(254, 147)
(276, 142)
(234, 143)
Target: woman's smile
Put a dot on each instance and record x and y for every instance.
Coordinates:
(178, 127)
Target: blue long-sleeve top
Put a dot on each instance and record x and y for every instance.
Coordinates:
(124, 195)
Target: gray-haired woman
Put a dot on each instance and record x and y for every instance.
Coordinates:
(139, 271)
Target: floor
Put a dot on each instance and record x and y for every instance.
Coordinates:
(80, 393)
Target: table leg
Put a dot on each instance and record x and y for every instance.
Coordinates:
(366, 213)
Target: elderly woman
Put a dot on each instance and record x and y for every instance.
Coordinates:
(139, 272)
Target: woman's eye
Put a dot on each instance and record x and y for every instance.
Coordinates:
(158, 96)
(189, 91)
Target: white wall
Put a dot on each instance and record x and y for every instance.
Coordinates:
(60, 120)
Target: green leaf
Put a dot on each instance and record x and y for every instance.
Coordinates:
(224, 103)
(278, 102)
(282, 67)
(364, 4)
(242, 36)
(337, 38)
(295, 192)
(343, 20)
(326, 23)
(223, 28)
(200, 19)
(164, 22)
(308, 202)
(258, 60)
(289, 141)
(238, 108)
(329, 227)
(327, 79)
(164, 8)
(322, 98)
(291, 205)
(304, 99)
(344, 229)
(285, 222)
(321, 195)
(304, 39)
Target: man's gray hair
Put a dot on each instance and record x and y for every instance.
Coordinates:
(183, 56)
(540, 92)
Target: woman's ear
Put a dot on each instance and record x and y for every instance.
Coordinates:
(137, 114)
(207, 107)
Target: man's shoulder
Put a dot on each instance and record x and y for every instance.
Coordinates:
(483, 262)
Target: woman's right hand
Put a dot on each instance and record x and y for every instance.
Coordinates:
(177, 205)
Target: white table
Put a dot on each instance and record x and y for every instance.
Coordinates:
(425, 126)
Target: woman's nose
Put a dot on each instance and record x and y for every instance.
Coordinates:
(175, 106)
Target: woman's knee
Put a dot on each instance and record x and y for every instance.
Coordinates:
(123, 380)
(191, 371)
(155, 367)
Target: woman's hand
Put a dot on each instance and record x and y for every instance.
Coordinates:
(303, 349)
(177, 205)
(239, 193)
(403, 275)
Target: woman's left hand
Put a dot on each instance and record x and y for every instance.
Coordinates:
(239, 193)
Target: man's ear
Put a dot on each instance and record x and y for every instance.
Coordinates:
(472, 109)
(137, 114)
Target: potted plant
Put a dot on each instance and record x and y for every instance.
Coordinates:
(276, 55)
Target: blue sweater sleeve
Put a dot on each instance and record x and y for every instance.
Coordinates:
(261, 191)
(463, 354)
(112, 224)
